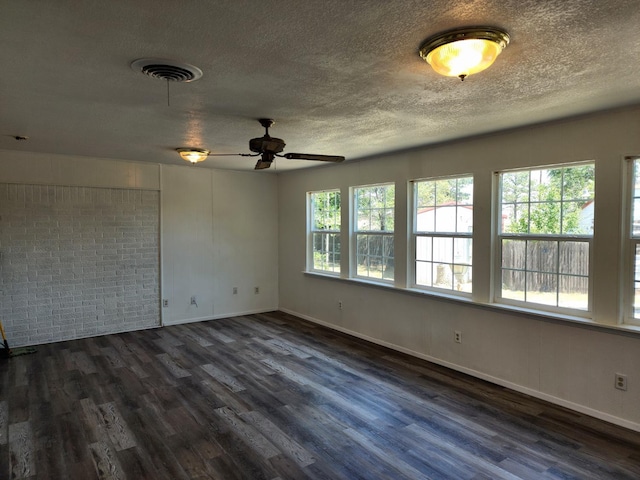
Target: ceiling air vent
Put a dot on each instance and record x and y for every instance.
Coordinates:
(167, 69)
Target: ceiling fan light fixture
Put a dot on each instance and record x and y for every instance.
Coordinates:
(465, 51)
(193, 155)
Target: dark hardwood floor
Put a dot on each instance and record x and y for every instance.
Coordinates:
(275, 397)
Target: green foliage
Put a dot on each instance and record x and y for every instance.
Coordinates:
(325, 208)
(431, 193)
(376, 208)
(547, 201)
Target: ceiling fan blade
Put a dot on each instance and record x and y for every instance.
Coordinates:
(309, 156)
(262, 165)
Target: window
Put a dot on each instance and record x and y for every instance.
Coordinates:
(545, 234)
(634, 230)
(442, 233)
(373, 227)
(325, 231)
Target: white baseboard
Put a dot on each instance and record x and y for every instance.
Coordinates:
(216, 317)
(483, 376)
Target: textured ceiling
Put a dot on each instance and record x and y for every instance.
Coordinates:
(340, 77)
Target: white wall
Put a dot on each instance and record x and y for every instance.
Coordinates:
(218, 228)
(572, 364)
(219, 231)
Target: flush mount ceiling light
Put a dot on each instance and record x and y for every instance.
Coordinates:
(465, 51)
(193, 155)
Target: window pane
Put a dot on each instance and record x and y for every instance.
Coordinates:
(464, 282)
(548, 201)
(423, 274)
(460, 276)
(425, 219)
(445, 192)
(465, 191)
(636, 217)
(375, 245)
(388, 271)
(443, 275)
(364, 222)
(542, 256)
(542, 288)
(578, 183)
(636, 284)
(374, 256)
(446, 218)
(326, 252)
(325, 210)
(443, 249)
(375, 208)
(423, 248)
(577, 218)
(544, 218)
(462, 250)
(514, 254)
(513, 284)
(574, 258)
(425, 194)
(363, 265)
(515, 218)
(464, 222)
(515, 187)
(362, 247)
(377, 216)
(574, 292)
(388, 219)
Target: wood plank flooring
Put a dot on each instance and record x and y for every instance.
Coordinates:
(271, 396)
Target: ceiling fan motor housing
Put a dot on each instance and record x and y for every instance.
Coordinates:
(266, 144)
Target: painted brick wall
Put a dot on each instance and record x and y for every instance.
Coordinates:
(77, 261)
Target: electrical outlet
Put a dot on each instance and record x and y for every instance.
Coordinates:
(340, 305)
(235, 290)
(457, 336)
(256, 290)
(165, 303)
(621, 381)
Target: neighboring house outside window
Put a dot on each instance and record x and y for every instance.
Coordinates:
(545, 236)
(324, 208)
(442, 233)
(374, 210)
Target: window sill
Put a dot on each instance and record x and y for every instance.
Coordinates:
(527, 312)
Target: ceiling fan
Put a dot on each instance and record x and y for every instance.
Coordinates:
(267, 148)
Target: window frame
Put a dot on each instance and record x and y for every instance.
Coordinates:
(312, 231)
(356, 232)
(415, 234)
(632, 244)
(500, 236)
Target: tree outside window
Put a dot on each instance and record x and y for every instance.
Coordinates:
(546, 227)
(325, 231)
(374, 226)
